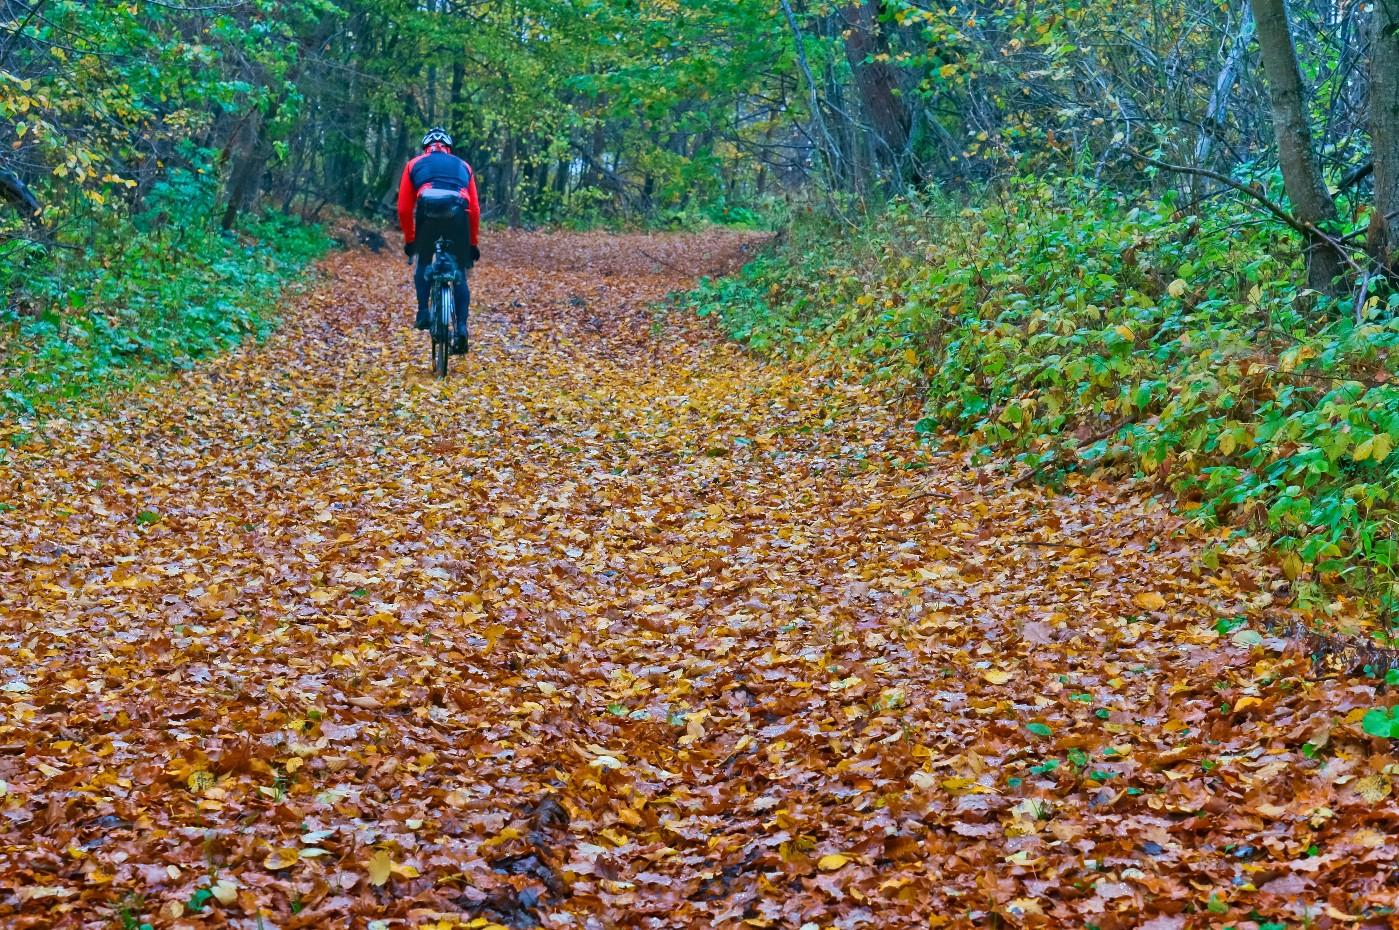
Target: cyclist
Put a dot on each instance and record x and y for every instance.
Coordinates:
(437, 200)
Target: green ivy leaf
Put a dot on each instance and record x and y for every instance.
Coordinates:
(1380, 721)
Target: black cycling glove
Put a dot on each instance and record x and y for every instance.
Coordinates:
(475, 254)
(408, 249)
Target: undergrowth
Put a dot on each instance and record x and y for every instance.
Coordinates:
(117, 298)
(1078, 330)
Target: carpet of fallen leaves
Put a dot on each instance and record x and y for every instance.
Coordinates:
(622, 627)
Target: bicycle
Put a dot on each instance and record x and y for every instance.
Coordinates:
(443, 274)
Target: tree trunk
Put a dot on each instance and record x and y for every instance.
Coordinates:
(249, 156)
(15, 192)
(877, 82)
(1212, 127)
(1301, 172)
(1384, 135)
(541, 180)
(393, 170)
(431, 95)
(454, 107)
(829, 149)
(511, 204)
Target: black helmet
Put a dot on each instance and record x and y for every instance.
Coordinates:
(437, 134)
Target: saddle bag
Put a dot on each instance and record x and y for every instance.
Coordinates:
(440, 206)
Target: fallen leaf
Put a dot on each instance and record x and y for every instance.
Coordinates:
(281, 858)
(379, 867)
(1149, 600)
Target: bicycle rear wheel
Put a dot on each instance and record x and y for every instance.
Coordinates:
(441, 331)
(440, 352)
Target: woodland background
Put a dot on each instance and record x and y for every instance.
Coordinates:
(1151, 237)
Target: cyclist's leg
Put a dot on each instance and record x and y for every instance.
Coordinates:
(420, 283)
(461, 238)
(428, 231)
(462, 293)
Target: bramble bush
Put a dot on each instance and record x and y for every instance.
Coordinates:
(1078, 329)
(119, 297)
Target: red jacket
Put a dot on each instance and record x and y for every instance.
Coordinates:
(437, 168)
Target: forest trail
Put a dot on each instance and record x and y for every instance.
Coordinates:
(621, 626)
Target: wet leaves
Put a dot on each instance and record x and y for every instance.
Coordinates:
(519, 649)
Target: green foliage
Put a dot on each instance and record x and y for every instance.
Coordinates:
(1381, 721)
(151, 292)
(1076, 328)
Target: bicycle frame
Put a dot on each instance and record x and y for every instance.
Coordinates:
(443, 273)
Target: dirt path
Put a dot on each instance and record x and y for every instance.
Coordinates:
(623, 628)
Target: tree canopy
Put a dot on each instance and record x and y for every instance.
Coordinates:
(653, 108)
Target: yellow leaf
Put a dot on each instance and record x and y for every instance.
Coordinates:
(1244, 703)
(1150, 600)
(1291, 565)
(910, 356)
(1381, 444)
(1176, 288)
(1372, 788)
(1362, 452)
(958, 784)
(225, 891)
(996, 676)
(832, 862)
(281, 858)
(380, 866)
(1125, 332)
(1368, 838)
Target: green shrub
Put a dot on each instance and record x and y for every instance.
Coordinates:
(120, 297)
(1075, 328)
